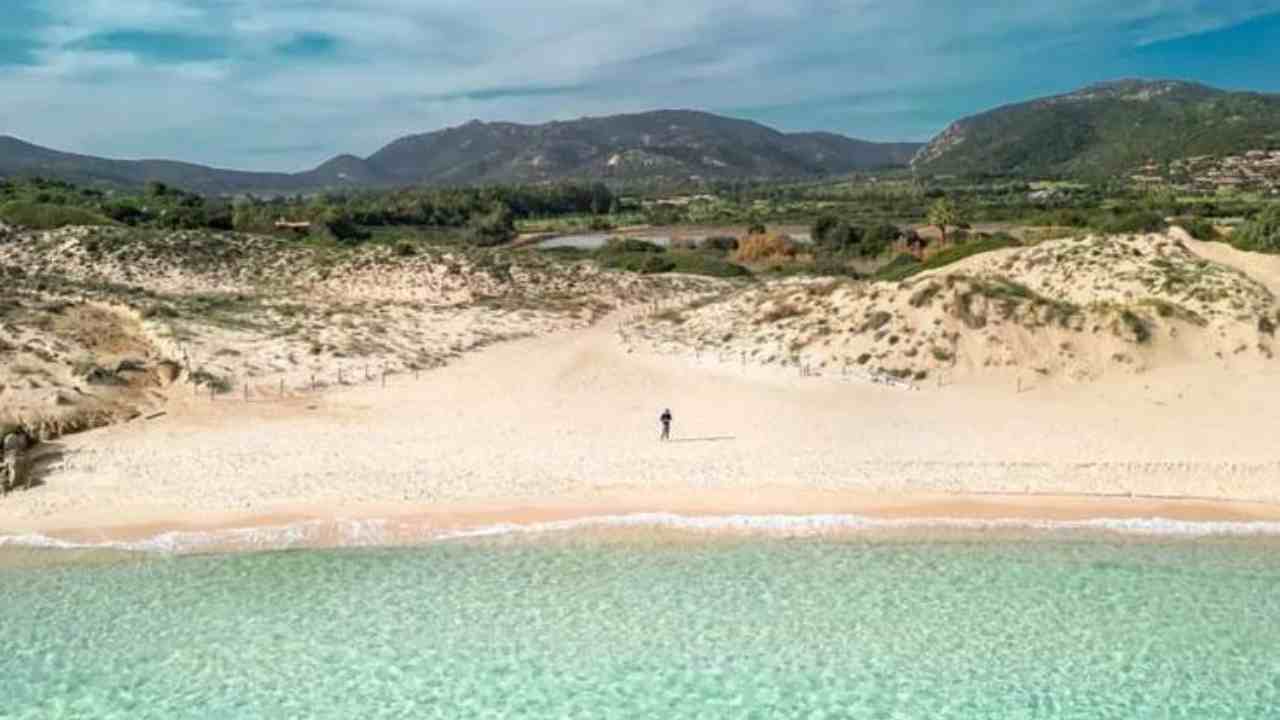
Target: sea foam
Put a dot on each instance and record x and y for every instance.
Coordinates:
(380, 532)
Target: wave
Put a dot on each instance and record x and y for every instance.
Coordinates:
(382, 532)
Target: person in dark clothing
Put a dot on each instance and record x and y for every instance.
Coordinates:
(665, 419)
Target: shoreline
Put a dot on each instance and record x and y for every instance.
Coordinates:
(769, 513)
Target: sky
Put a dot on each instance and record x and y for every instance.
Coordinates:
(287, 84)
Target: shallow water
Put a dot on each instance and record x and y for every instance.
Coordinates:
(584, 627)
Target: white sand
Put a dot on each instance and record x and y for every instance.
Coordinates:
(572, 418)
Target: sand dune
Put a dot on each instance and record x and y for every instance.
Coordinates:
(570, 419)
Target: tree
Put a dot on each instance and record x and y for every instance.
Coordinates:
(823, 225)
(601, 198)
(944, 214)
(496, 227)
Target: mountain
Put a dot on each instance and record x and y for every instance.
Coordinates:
(18, 158)
(1104, 129)
(667, 144)
(663, 144)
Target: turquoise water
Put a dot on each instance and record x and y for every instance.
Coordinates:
(760, 628)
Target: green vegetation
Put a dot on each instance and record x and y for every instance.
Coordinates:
(1262, 234)
(905, 266)
(632, 255)
(1108, 130)
(1199, 228)
(47, 216)
(944, 214)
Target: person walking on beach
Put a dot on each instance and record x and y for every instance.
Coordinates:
(665, 419)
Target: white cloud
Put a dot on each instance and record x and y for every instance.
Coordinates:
(394, 56)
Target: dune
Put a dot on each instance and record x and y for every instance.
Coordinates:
(564, 422)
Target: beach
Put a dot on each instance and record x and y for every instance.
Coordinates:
(564, 427)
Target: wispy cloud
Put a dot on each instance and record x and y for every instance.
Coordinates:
(220, 80)
(165, 47)
(506, 93)
(309, 45)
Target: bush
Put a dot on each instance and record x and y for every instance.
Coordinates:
(878, 239)
(765, 247)
(841, 239)
(631, 245)
(822, 226)
(699, 263)
(1199, 228)
(496, 227)
(1134, 222)
(45, 216)
(640, 262)
(1262, 234)
(344, 230)
(901, 268)
(720, 243)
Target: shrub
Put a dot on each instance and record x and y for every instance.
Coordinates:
(1262, 234)
(878, 239)
(901, 268)
(842, 238)
(697, 263)
(45, 216)
(1199, 228)
(340, 227)
(765, 247)
(639, 262)
(631, 245)
(496, 227)
(720, 243)
(1137, 221)
(822, 226)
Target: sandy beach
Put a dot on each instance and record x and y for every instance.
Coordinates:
(565, 426)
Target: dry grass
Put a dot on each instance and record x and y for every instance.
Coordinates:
(765, 248)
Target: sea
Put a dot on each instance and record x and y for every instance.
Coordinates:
(642, 623)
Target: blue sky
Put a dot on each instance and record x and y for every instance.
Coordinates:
(286, 84)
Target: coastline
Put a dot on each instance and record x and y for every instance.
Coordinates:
(768, 512)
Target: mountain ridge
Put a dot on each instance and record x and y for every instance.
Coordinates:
(1103, 129)
(661, 144)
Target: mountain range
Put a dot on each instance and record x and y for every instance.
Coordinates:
(1102, 130)
(666, 144)
(1105, 129)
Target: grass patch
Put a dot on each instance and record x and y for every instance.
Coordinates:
(906, 266)
(47, 216)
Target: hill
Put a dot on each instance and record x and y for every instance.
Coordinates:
(1075, 310)
(1104, 129)
(23, 159)
(662, 145)
(670, 144)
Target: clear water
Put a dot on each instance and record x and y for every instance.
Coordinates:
(761, 628)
